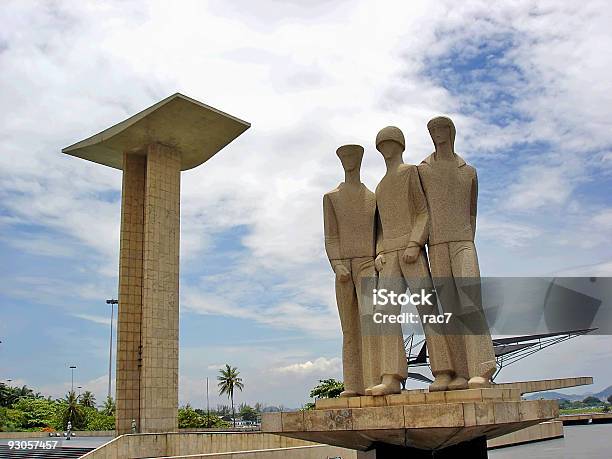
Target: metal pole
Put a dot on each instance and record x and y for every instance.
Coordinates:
(207, 406)
(72, 367)
(110, 346)
(110, 352)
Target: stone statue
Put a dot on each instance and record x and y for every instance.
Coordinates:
(402, 263)
(451, 190)
(349, 220)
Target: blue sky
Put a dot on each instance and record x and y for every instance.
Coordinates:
(526, 84)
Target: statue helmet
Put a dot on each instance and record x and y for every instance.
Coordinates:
(390, 133)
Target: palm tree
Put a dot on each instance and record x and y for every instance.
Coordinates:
(25, 392)
(109, 407)
(228, 381)
(5, 395)
(87, 399)
(10, 395)
(72, 411)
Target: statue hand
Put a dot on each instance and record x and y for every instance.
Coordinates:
(411, 254)
(342, 274)
(379, 262)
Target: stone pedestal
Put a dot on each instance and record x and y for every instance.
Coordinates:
(414, 423)
(152, 148)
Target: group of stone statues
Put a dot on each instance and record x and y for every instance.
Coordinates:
(378, 239)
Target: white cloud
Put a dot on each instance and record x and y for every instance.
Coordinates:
(320, 366)
(510, 234)
(95, 319)
(603, 219)
(540, 186)
(602, 269)
(282, 315)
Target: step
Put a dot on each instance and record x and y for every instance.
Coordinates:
(61, 452)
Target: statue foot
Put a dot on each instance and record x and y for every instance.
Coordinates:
(477, 382)
(458, 383)
(348, 393)
(440, 383)
(390, 385)
(368, 391)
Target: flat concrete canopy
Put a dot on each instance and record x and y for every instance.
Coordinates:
(412, 419)
(193, 128)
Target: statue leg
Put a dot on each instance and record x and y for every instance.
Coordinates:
(346, 299)
(442, 273)
(418, 278)
(479, 346)
(393, 365)
(370, 337)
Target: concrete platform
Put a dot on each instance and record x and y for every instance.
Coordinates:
(413, 419)
(541, 385)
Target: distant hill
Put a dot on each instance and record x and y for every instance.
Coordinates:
(552, 395)
(604, 394)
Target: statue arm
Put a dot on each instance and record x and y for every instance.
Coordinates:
(420, 230)
(332, 235)
(474, 203)
(379, 232)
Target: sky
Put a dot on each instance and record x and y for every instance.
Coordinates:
(526, 83)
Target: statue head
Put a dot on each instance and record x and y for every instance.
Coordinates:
(350, 156)
(442, 130)
(390, 141)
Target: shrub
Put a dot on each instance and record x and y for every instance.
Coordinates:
(96, 420)
(37, 412)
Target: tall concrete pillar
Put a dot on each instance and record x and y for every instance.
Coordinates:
(152, 148)
(129, 316)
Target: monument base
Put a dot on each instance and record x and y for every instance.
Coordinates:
(414, 422)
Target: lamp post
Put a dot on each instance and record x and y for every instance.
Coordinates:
(72, 368)
(207, 406)
(112, 302)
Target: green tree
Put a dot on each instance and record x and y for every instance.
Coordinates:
(11, 420)
(37, 412)
(189, 418)
(4, 394)
(591, 401)
(98, 420)
(10, 395)
(564, 404)
(247, 413)
(229, 381)
(327, 388)
(109, 407)
(87, 399)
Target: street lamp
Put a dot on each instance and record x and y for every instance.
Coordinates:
(72, 368)
(110, 346)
